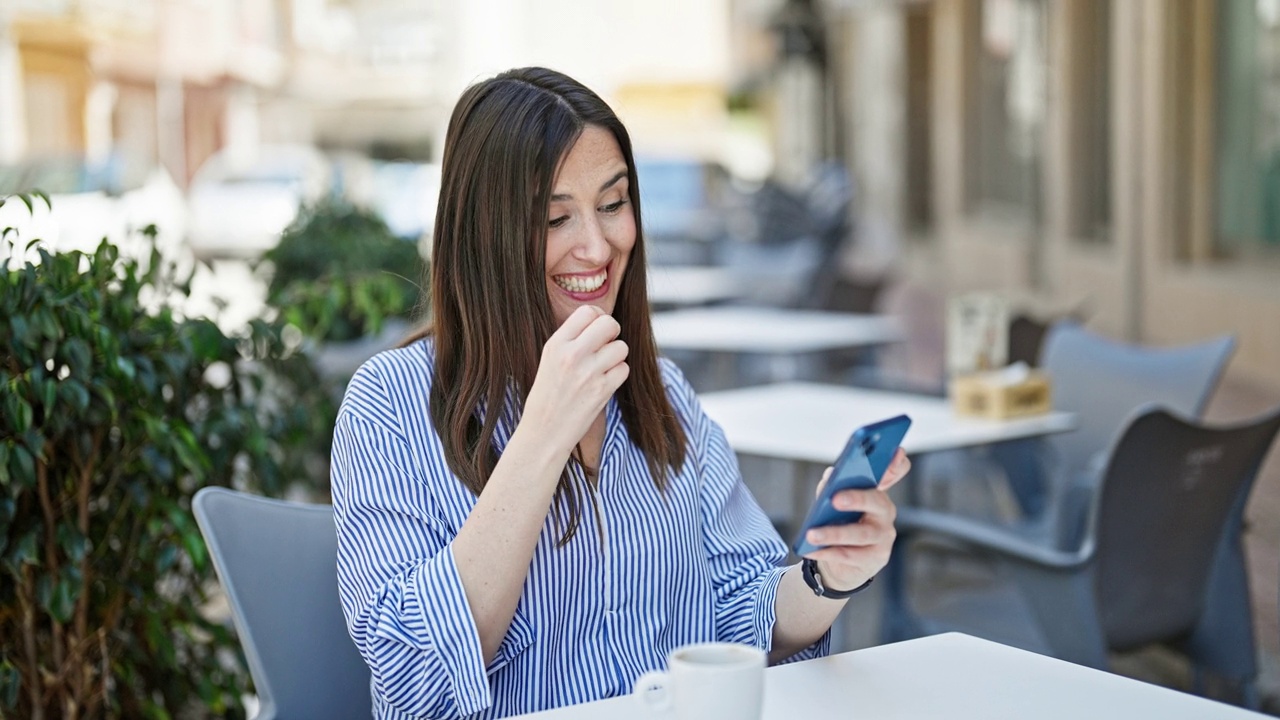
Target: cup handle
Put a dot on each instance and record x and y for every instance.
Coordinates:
(645, 687)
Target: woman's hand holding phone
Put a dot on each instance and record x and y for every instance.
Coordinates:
(848, 555)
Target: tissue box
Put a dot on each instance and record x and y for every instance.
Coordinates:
(992, 396)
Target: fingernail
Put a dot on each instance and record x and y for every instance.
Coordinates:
(816, 537)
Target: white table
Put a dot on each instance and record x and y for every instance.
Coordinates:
(946, 676)
(769, 330)
(690, 285)
(784, 337)
(808, 423)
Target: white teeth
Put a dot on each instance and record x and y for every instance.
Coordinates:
(580, 284)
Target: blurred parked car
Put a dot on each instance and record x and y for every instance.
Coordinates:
(239, 204)
(113, 198)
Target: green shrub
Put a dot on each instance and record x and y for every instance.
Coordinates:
(114, 410)
(339, 272)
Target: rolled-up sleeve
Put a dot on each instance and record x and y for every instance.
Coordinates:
(746, 556)
(401, 593)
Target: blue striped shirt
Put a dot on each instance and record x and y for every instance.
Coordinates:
(702, 563)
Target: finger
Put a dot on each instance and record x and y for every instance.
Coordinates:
(826, 475)
(898, 469)
(872, 502)
(617, 375)
(612, 354)
(577, 321)
(867, 559)
(860, 534)
(599, 332)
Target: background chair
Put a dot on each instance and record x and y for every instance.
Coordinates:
(277, 562)
(1103, 382)
(1026, 338)
(1160, 560)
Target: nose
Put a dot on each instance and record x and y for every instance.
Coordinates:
(592, 245)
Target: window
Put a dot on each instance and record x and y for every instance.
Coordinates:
(1248, 128)
(1011, 103)
(919, 155)
(1089, 121)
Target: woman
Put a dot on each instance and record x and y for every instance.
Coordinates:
(532, 508)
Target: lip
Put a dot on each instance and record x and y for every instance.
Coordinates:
(593, 295)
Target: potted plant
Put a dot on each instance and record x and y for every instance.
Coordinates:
(345, 280)
(114, 410)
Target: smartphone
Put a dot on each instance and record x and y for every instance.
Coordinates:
(861, 464)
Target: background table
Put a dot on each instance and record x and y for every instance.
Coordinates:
(808, 424)
(673, 286)
(784, 338)
(741, 329)
(946, 676)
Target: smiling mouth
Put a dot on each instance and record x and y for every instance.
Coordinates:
(582, 283)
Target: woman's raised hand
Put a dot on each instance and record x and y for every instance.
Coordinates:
(583, 364)
(852, 553)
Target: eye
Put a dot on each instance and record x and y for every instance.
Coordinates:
(612, 208)
(557, 222)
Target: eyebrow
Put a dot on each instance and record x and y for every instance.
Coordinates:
(608, 184)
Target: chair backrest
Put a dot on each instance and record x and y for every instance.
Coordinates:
(1168, 495)
(1026, 337)
(277, 561)
(1104, 381)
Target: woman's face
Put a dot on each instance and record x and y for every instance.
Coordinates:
(591, 226)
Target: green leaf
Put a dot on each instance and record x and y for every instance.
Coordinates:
(19, 328)
(190, 456)
(34, 441)
(75, 394)
(7, 509)
(26, 551)
(125, 365)
(79, 357)
(166, 558)
(47, 324)
(10, 684)
(194, 543)
(61, 598)
(22, 416)
(23, 465)
(49, 389)
(73, 542)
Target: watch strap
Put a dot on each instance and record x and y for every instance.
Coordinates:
(813, 578)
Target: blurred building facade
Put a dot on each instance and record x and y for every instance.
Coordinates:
(1119, 159)
(171, 81)
(168, 82)
(160, 82)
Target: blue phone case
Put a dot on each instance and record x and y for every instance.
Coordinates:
(862, 463)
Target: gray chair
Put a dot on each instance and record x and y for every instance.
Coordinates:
(277, 561)
(1101, 381)
(1160, 560)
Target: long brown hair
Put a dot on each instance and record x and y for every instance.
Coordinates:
(491, 313)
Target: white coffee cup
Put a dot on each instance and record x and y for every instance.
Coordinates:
(707, 681)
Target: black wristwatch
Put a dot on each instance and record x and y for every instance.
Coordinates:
(813, 579)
